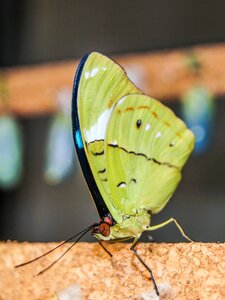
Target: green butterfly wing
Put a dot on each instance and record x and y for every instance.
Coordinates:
(146, 148)
(101, 85)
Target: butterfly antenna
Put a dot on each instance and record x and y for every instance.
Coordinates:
(81, 233)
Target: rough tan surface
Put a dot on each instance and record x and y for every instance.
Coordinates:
(183, 271)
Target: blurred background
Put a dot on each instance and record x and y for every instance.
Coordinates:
(37, 204)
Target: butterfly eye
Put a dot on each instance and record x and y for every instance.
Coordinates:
(104, 229)
(138, 123)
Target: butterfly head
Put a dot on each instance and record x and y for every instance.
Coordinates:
(103, 229)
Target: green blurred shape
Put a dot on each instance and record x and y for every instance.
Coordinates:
(198, 110)
(11, 152)
(60, 157)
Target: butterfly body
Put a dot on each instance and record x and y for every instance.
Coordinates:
(131, 226)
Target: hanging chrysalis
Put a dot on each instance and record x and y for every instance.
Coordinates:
(198, 106)
(198, 111)
(11, 152)
(11, 145)
(60, 158)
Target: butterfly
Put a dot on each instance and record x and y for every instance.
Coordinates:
(131, 149)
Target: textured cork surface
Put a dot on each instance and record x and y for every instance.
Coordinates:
(182, 271)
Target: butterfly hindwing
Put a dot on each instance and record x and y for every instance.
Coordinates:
(146, 148)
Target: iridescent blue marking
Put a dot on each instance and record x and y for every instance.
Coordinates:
(78, 139)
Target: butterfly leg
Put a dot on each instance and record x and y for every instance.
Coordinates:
(170, 221)
(104, 248)
(132, 248)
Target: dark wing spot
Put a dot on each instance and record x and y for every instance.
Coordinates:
(97, 153)
(92, 142)
(155, 115)
(121, 184)
(133, 180)
(138, 123)
(171, 144)
(101, 171)
(104, 179)
(129, 109)
(143, 107)
(167, 123)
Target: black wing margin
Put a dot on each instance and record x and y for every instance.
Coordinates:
(99, 202)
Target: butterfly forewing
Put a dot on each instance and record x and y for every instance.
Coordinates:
(101, 85)
(146, 148)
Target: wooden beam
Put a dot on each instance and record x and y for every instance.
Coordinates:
(163, 75)
(182, 271)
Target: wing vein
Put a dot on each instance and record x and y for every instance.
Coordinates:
(144, 155)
